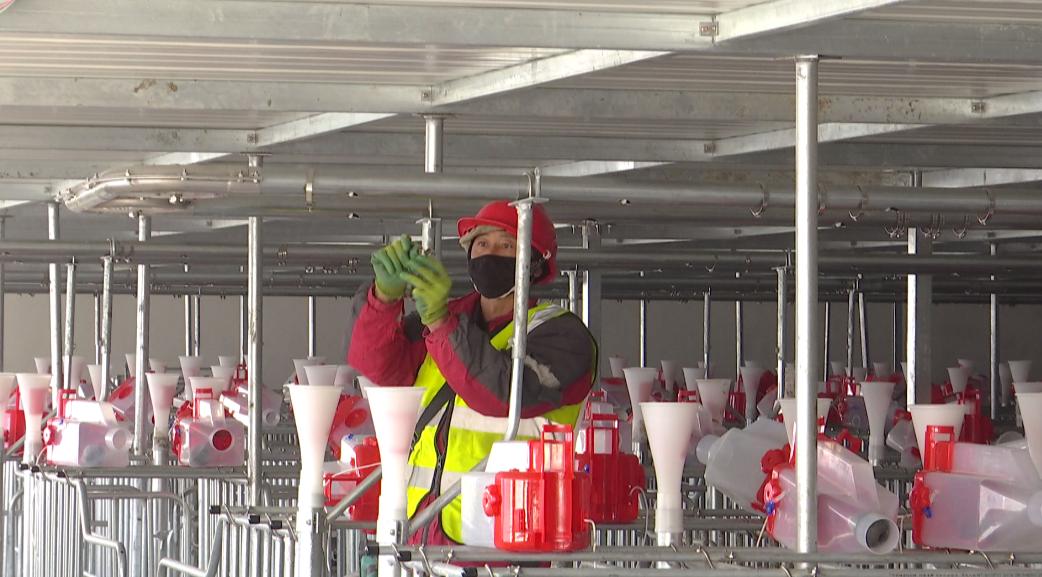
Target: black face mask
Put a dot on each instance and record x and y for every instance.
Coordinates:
(493, 275)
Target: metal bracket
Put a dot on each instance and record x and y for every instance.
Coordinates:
(977, 107)
(709, 28)
(309, 190)
(823, 197)
(765, 198)
(860, 205)
(960, 233)
(984, 218)
(535, 183)
(933, 231)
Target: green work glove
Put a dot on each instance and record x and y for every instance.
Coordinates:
(430, 287)
(389, 264)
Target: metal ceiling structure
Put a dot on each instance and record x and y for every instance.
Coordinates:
(666, 91)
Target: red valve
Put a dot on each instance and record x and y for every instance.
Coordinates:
(491, 501)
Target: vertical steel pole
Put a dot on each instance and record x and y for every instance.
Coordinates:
(188, 322)
(591, 303)
(993, 373)
(826, 366)
(806, 303)
(312, 326)
(106, 326)
(197, 324)
(69, 381)
(144, 233)
(433, 163)
(244, 324)
(522, 281)
(862, 307)
(707, 309)
(254, 370)
(573, 291)
(97, 328)
(920, 300)
(897, 336)
(851, 295)
(782, 350)
(739, 336)
(53, 233)
(643, 333)
(3, 221)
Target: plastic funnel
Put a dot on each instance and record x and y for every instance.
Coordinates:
(959, 376)
(751, 365)
(751, 383)
(345, 376)
(881, 369)
(215, 384)
(78, 364)
(395, 411)
(669, 427)
(965, 363)
(713, 393)
(1020, 370)
(156, 365)
(877, 395)
(96, 386)
(670, 376)
(131, 364)
(949, 415)
(43, 365)
(639, 381)
(859, 373)
(617, 363)
(298, 368)
(876, 533)
(1006, 380)
(691, 377)
(161, 389)
(1027, 387)
(838, 368)
(365, 384)
(227, 361)
(1031, 412)
(191, 366)
(788, 411)
(904, 368)
(34, 390)
(321, 375)
(313, 408)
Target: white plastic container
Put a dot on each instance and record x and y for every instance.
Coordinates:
(89, 436)
(733, 460)
(238, 405)
(479, 528)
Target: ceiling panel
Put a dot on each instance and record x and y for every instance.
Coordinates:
(701, 72)
(970, 11)
(658, 6)
(127, 57)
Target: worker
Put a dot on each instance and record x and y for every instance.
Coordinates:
(458, 350)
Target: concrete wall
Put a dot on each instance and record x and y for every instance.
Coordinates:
(674, 332)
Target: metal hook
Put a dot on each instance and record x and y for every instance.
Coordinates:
(900, 226)
(960, 233)
(426, 562)
(933, 231)
(764, 199)
(823, 196)
(535, 183)
(984, 218)
(712, 267)
(860, 205)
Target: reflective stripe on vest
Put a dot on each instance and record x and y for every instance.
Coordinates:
(471, 434)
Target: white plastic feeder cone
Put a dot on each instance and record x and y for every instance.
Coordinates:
(365, 384)
(298, 367)
(639, 381)
(752, 365)
(43, 365)
(965, 363)
(191, 366)
(669, 374)
(691, 377)
(904, 368)
(877, 397)
(161, 389)
(345, 376)
(882, 370)
(617, 363)
(34, 390)
(1027, 387)
(948, 415)
(788, 411)
(395, 410)
(131, 364)
(859, 373)
(215, 384)
(1031, 411)
(751, 383)
(959, 376)
(669, 427)
(1006, 379)
(227, 361)
(313, 408)
(1020, 370)
(838, 369)
(78, 364)
(321, 375)
(713, 393)
(96, 386)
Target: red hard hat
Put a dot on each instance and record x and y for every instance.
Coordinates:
(500, 214)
